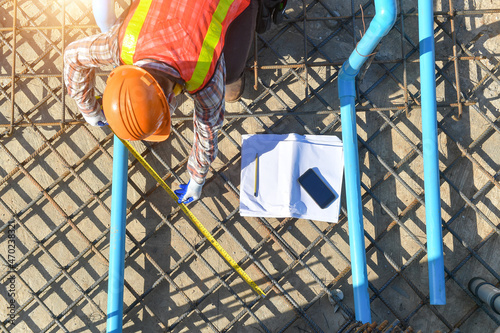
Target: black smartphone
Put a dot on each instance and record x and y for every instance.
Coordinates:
(317, 188)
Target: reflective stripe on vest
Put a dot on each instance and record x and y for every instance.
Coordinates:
(212, 38)
(209, 43)
(133, 30)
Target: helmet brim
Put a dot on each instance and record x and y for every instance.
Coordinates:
(163, 132)
(161, 135)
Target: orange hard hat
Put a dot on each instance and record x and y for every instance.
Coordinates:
(135, 105)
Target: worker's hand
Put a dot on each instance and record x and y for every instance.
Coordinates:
(189, 192)
(99, 119)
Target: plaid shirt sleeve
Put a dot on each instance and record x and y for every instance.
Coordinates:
(208, 119)
(80, 60)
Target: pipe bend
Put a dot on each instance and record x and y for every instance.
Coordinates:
(385, 15)
(382, 23)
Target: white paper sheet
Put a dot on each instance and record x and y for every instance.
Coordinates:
(281, 160)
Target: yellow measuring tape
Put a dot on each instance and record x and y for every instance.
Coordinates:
(193, 219)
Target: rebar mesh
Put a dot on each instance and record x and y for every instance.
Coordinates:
(55, 187)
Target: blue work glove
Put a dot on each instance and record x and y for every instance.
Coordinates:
(189, 192)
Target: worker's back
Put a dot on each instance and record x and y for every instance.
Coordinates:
(187, 35)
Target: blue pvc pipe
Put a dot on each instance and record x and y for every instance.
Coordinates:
(380, 25)
(431, 153)
(117, 238)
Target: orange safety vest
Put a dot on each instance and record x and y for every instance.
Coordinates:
(185, 34)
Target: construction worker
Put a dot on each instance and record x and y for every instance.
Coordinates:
(160, 48)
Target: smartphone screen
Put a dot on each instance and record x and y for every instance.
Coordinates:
(316, 188)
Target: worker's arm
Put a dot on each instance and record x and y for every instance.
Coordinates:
(104, 13)
(80, 60)
(208, 119)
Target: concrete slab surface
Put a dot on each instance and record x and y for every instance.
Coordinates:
(56, 173)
